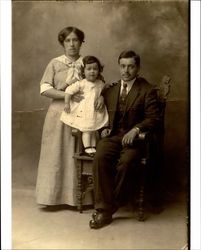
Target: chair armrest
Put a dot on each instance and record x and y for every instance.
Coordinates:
(143, 135)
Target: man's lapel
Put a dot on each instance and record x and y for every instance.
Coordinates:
(113, 100)
(113, 96)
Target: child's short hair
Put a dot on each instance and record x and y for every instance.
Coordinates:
(89, 60)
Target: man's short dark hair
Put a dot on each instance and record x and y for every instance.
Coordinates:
(130, 54)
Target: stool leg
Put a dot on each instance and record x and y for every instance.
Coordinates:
(79, 186)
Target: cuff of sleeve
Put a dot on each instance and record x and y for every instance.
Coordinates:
(44, 87)
(137, 129)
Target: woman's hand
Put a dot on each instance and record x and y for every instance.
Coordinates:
(64, 85)
(72, 81)
(78, 97)
(99, 103)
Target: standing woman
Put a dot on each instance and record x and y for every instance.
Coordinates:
(56, 180)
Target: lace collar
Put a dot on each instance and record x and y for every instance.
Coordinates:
(64, 59)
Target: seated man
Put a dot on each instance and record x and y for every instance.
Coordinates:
(132, 108)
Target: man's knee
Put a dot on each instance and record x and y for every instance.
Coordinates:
(100, 155)
(129, 158)
(101, 151)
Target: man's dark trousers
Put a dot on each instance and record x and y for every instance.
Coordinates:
(113, 165)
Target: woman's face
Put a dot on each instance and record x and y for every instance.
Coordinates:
(72, 45)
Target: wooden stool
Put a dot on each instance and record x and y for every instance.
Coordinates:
(84, 178)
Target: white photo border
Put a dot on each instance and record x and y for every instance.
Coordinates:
(195, 220)
(6, 204)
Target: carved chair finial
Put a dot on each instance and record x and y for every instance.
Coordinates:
(164, 87)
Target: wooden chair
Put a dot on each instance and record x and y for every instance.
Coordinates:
(84, 163)
(152, 160)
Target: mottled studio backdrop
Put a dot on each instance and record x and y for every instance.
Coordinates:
(157, 30)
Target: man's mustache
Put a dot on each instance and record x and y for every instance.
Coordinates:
(126, 74)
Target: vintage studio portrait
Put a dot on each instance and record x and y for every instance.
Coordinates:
(100, 125)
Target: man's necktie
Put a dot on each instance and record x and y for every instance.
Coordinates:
(124, 92)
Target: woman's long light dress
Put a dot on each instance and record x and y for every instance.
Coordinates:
(56, 180)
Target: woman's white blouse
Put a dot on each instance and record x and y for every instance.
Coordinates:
(60, 70)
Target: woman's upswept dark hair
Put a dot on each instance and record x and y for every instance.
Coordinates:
(66, 31)
(89, 60)
(129, 54)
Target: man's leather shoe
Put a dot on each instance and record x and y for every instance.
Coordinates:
(101, 219)
(114, 209)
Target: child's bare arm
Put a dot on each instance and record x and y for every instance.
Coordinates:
(67, 103)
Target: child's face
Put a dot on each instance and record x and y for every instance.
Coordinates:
(91, 71)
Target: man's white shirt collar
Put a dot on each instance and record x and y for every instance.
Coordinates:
(129, 84)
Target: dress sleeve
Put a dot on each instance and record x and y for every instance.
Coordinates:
(102, 85)
(73, 88)
(47, 81)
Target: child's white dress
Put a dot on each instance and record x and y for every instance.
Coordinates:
(83, 115)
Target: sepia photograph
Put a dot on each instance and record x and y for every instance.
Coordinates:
(100, 125)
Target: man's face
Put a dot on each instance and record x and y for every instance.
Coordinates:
(128, 69)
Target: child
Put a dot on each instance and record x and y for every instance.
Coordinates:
(83, 115)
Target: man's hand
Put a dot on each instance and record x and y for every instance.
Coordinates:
(77, 97)
(99, 103)
(108, 85)
(105, 133)
(129, 137)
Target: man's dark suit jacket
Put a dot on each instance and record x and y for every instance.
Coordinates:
(141, 109)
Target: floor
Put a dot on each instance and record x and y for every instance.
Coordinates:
(36, 227)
